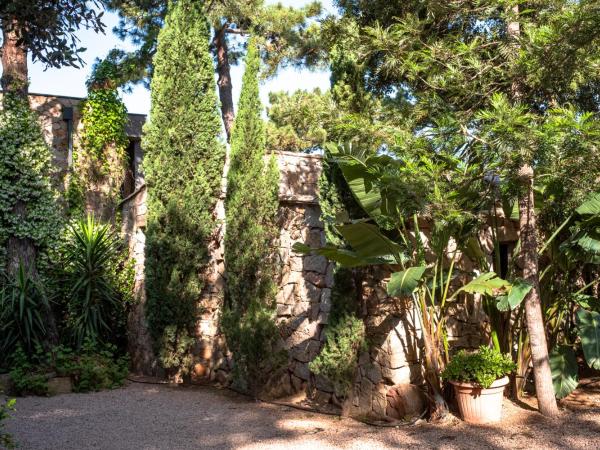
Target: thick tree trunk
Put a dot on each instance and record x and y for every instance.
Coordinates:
(533, 308)
(224, 79)
(14, 64)
(14, 81)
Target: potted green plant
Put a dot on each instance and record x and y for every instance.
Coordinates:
(479, 379)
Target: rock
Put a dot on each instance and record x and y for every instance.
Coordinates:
(279, 387)
(379, 404)
(305, 351)
(301, 371)
(321, 398)
(315, 263)
(405, 401)
(315, 278)
(222, 378)
(297, 383)
(374, 373)
(60, 385)
(284, 310)
(323, 384)
(6, 384)
(199, 371)
(325, 300)
(400, 375)
(329, 275)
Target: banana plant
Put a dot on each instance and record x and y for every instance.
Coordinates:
(573, 318)
(394, 194)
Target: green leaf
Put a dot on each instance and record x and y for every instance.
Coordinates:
(591, 206)
(486, 284)
(518, 291)
(588, 323)
(344, 257)
(564, 371)
(362, 187)
(367, 241)
(404, 283)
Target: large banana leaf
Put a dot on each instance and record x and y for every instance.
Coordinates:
(354, 165)
(344, 257)
(367, 241)
(518, 291)
(404, 283)
(563, 365)
(588, 323)
(361, 184)
(591, 206)
(487, 284)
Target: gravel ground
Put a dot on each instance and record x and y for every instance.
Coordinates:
(143, 416)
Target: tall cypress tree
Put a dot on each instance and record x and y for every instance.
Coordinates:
(251, 206)
(183, 165)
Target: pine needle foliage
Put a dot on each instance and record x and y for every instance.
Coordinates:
(251, 206)
(183, 166)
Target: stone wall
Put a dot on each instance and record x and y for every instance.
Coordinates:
(389, 371)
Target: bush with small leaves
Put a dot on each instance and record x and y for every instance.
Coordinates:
(482, 367)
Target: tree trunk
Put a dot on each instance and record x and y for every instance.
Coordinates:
(533, 308)
(14, 81)
(224, 80)
(529, 257)
(14, 63)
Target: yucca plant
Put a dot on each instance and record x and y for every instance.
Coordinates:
(22, 306)
(93, 298)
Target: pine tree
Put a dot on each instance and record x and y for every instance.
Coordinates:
(251, 207)
(183, 166)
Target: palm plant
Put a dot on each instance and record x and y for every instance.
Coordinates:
(22, 306)
(93, 297)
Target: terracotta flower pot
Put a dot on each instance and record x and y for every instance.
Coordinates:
(478, 405)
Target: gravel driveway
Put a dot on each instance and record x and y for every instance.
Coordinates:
(143, 416)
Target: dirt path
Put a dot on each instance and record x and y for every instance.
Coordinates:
(142, 416)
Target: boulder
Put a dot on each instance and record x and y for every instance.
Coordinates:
(405, 401)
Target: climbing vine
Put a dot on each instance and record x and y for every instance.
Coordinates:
(25, 179)
(99, 161)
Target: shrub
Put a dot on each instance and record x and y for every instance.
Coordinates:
(339, 356)
(482, 367)
(29, 372)
(23, 304)
(345, 335)
(97, 294)
(93, 368)
(6, 440)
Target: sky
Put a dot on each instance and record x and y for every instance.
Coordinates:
(71, 82)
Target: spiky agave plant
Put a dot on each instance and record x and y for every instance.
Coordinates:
(93, 298)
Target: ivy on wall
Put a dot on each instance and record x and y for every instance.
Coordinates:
(100, 161)
(183, 167)
(25, 179)
(251, 206)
